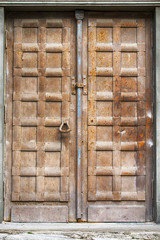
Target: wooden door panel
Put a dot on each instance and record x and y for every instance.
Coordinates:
(117, 123)
(116, 146)
(41, 103)
(37, 119)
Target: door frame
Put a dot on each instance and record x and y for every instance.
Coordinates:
(157, 104)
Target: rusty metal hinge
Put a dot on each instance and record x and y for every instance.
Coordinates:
(79, 85)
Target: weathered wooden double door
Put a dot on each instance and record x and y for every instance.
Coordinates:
(79, 117)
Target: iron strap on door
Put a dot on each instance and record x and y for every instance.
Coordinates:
(79, 16)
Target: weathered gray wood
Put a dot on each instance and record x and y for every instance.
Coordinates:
(79, 17)
(120, 140)
(116, 213)
(84, 122)
(149, 122)
(39, 214)
(116, 178)
(1, 108)
(157, 39)
(8, 135)
(38, 164)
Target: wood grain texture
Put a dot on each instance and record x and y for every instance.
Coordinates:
(116, 213)
(37, 214)
(116, 135)
(118, 85)
(40, 166)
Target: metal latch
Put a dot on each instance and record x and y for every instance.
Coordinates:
(78, 85)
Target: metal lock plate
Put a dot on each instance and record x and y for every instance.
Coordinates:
(78, 85)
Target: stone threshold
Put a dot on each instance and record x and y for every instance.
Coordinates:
(7, 227)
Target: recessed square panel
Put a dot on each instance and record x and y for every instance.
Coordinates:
(104, 158)
(128, 159)
(104, 59)
(53, 84)
(128, 134)
(28, 184)
(51, 184)
(54, 35)
(104, 133)
(54, 60)
(129, 109)
(104, 109)
(52, 159)
(104, 183)
(29, 84)
(29, 134)
(129, 84)
(129, 184)
(29, 109)
(28, 159)
(104, 35)
(128, 35)
(129, 60)
(52, 134)
(53, 109)
(30, 60)
(29, 35)
(104, 84)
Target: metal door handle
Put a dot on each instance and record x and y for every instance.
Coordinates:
(65, 127)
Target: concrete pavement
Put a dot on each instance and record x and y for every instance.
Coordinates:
(76, 231)
(81, 235)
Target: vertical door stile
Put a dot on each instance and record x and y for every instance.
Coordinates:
(79, 17)
(84, 124)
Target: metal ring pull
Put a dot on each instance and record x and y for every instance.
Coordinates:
(65, 127)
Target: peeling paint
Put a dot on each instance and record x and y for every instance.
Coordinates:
(79, 157)
(79, 103)
(150, 142)
(149, 114)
